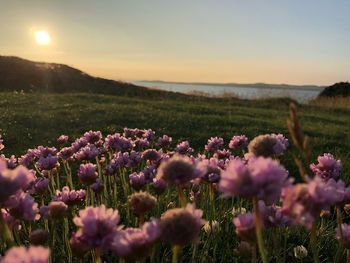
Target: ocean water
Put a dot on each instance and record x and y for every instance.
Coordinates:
(300, 94)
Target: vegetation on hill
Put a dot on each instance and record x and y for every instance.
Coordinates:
(341, 89)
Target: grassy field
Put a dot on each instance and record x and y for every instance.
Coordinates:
(28, 120)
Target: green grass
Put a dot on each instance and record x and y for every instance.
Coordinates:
(28, 120)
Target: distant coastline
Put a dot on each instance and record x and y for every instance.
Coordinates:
(248, 85)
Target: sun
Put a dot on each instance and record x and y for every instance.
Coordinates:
(42, 38)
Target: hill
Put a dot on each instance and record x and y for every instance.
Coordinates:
(340, 89)
(20, 74)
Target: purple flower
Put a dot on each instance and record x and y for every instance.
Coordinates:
(79, 143)
(42, 151)
(13, 223)
(11, 181)
(273, 216)
(327, 167)
(39, 186)
(149, 135)
(48, 162)
(97, 226)
(70, 197)
(238, 142)
(22, 206)
(141, 202)
(131, 133)
(57, 209)
(178, 170)
(66, 153)
(44, 211)
(141, 144)
(262, 178)
(117, 142)
(33, 254)
(87, 173)
(210, 171)
(183, 148)
(281, 145)
(28, 158)
(89, 152)
(268, 145)
(180, 226)
(93, 136)
(135, 243)
(245, 227)
(164, 141)
(343, 236)
(98, 186)
(134, 159)
(222, 154)
(158, 185)
(137, 180)
(62, 139)
(214, 144)
(151, 155)
(11, 162)
(304, 202)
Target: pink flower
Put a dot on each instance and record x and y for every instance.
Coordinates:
(33, 254)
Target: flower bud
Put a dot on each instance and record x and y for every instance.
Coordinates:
(300, 252)
(57, 209)
(39, 237)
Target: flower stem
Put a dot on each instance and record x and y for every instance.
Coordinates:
(176, 250)
(313, 241)
(98, 256)
(5, 232)
(258, 228)
(182, 197)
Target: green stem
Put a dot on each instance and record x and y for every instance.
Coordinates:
(258, 231)
(5, 232)
(98, 256)
(313, 240)
(182, 197)
(176, 249)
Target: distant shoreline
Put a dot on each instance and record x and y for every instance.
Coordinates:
(251, 85)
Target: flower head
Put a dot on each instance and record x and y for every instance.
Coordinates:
(70, 197)
(137, 180)
(260, 177)
(180, 226)
(141, 202)
(135, 243)
(97, 226)
(238, 142)
(62, 139)
(33, 254)
(268, 145)
(343, 235)
(245, 227)
(327, 167)
(183, 148)
(178, 170)
(214, 144)
(87, 173)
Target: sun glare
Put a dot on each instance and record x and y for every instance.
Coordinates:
(42, 38)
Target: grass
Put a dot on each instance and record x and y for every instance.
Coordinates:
(28, 120)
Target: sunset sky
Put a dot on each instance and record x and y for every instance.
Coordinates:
(247, 41)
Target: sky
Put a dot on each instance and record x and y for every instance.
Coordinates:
(244, 41)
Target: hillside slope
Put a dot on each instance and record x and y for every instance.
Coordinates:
(19, 74)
